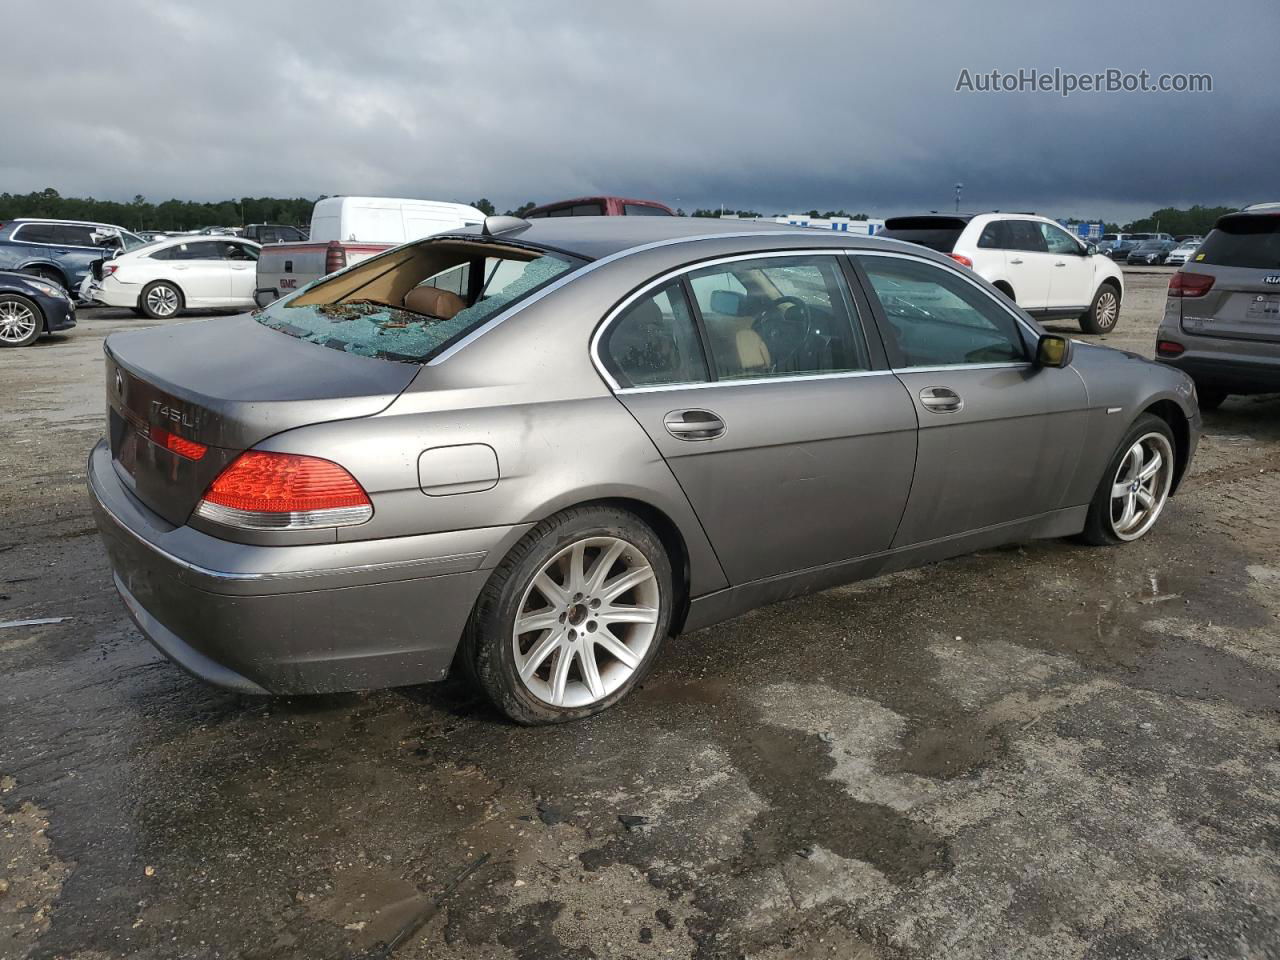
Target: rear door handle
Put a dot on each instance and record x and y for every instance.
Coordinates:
(693, 424)
(941, 400)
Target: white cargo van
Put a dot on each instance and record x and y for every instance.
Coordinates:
(346, 230)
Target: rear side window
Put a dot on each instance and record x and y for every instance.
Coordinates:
(73, 235)
(1026, 235)
(779, 317)
(936, 233)
(642, 210)
(995, 236)
(35, 233)
(937, 318)
(1243, 240)
(655, 342)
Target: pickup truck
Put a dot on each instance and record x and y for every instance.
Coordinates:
(346, 230)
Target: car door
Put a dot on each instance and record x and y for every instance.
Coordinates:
(999, 436)
(1071, 280)
(1029, 264)
(757, 384)
(242, 262)
(199, 269)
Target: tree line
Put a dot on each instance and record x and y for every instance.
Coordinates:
(141, 214)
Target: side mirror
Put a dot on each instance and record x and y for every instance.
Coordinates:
(1090, 249)
(1053, 350)
(728, 303)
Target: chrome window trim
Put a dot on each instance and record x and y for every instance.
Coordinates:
(746, 381)
(612, 315)
(586, 268)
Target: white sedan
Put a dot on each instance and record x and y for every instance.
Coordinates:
(162, 279)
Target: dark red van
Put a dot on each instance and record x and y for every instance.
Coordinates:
(601, 207)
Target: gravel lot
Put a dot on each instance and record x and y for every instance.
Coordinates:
(1049, 751)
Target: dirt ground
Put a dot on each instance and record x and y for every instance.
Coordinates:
(1048, 751)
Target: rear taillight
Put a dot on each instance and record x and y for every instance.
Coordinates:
(179, 445)
(284, 491)
(108, 269)
(335, 257)
(961, 259)
(1190, 284)
(1169, 348)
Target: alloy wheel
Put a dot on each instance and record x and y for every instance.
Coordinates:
(1108, 309)
(17, 322)
(586, 621)
(1141, 486)
(162, 300)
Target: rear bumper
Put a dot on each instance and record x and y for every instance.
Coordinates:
(1234, 375)
(317, 618)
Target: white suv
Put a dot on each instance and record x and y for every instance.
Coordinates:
(1033, 261)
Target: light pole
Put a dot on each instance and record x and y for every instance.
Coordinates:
(959, 187)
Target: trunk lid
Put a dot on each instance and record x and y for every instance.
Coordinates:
(227, 383)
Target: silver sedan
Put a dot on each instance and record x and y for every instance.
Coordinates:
(535, 450)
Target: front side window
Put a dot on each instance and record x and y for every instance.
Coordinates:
(409, 304)
(655, 342)
(238, 251)
(779, 316)
(937, 318)
(1058, 240)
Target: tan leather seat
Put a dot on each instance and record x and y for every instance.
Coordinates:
(434, 302)
(735, 343)
(753, 353)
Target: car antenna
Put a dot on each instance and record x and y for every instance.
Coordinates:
(496, 225)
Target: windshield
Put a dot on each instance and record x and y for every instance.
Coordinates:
(936, 233)
(411, 302)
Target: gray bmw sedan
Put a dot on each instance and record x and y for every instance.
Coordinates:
(537, 449)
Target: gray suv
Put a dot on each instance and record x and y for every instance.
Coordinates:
(1222, 317)
(60, 252)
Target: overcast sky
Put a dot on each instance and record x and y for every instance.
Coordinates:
(775, 107)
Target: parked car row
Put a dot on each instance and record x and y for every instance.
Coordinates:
(1041, 267)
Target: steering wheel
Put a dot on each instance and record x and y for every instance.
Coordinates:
(784, 331)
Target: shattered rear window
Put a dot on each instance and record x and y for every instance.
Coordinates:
(371, 328)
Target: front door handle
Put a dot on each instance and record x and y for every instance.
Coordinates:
(693, 424)
(1016, 260)
(941, 400)
(1061, 263)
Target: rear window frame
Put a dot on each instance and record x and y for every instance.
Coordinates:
(577, 262)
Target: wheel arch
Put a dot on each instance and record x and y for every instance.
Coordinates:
(1171, 413)
(1005, 287)
(31, 266)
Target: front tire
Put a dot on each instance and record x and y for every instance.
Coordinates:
(160, 300)
(21, 321)
(1135, 486)
(1104, 311)
(573, 617)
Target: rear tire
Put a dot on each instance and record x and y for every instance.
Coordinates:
(21, 322)
(1134, 488)
(161, 300)
(591, 588)
(1104, 311)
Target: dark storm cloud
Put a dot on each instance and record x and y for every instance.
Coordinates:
(788, 107)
